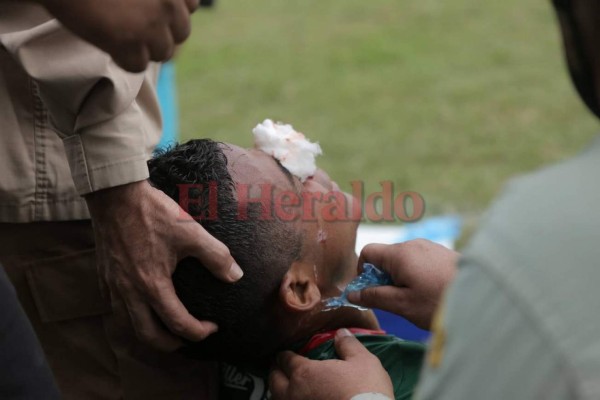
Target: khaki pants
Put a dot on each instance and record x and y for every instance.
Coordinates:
(89, 343)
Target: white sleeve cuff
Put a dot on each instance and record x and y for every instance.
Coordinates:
(370, 396)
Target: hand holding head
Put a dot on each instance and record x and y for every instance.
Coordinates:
(140, 236)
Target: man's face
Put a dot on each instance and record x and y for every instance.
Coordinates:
(316, 206)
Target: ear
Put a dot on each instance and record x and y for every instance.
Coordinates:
(299, 291)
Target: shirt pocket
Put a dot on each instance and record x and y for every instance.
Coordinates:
(67, 287)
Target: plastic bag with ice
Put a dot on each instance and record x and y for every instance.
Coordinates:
(370, 277)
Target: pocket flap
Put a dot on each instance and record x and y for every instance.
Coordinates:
(67, 287)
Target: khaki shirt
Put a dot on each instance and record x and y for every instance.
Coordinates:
(71, 121)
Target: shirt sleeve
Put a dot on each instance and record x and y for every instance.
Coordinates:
(485, 346)
(109, 119)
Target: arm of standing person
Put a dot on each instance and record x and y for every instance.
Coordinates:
(109, 122)
(141, 31)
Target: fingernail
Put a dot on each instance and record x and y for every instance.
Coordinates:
(235, 272)
(212, 327)
(343, 333)
(354, 297)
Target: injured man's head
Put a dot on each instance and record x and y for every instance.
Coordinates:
(293, 237)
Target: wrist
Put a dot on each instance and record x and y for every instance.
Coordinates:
(104, 200)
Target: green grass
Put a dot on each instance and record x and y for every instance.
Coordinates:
(447, 98)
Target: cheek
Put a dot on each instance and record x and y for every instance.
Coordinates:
(313, 186)
(322, 179)
(338, 240)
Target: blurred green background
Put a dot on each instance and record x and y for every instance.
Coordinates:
(447, 98)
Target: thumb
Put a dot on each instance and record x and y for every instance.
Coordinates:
(347, 345)
(192, 5)
(196, 242)
(389, 298)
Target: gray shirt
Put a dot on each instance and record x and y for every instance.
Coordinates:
(522, 319)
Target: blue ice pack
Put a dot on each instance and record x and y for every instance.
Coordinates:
(370, 277)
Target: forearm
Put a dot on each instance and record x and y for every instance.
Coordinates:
(102, 203)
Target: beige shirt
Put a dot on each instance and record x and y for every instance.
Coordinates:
(71, 121)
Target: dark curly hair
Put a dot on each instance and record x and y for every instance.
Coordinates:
(264, 249)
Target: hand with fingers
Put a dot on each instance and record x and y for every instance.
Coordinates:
(421, 270)
(141, 234)
(133, 32)
(356, 372)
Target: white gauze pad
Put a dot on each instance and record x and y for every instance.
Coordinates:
(293, 150)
